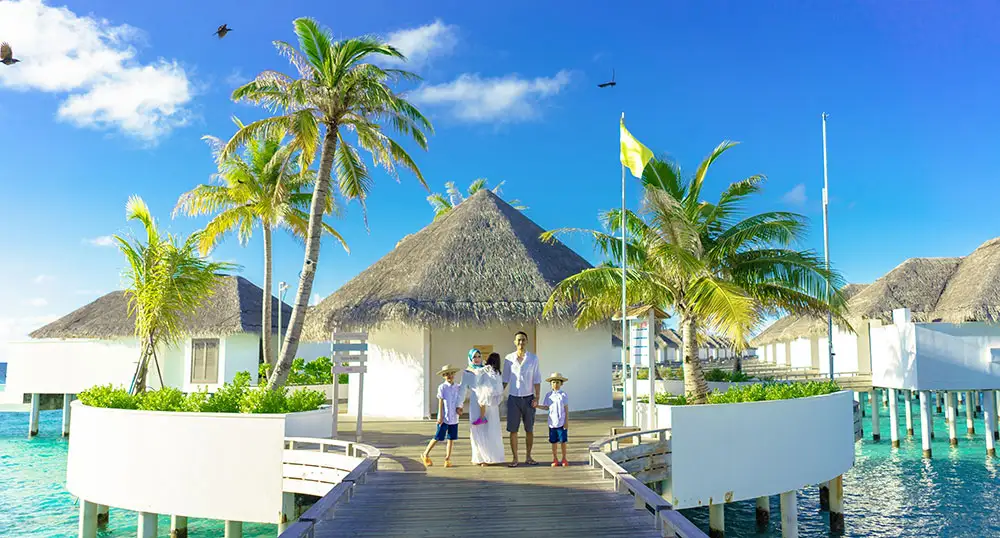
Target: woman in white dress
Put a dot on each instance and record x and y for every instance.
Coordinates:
(469, 381)
(487, 441)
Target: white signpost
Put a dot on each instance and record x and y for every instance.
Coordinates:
(642, 352)
(349, 354)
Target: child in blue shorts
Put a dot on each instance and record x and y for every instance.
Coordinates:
(449, 408)
(557, 402)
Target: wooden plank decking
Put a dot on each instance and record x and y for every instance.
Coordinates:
(406, 499)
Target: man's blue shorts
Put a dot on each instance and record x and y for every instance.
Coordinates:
(451, 430)
(558, 435)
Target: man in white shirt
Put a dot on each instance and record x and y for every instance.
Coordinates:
(524, 379)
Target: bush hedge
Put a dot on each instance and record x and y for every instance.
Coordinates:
(757, 392)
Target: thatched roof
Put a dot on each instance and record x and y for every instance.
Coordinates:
(671, 338)
(797, 325)
(973, 291)
(481, 263)
(235, 307)
(917, 284)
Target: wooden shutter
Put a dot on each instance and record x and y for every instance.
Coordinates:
(205, 361)
(212, 361)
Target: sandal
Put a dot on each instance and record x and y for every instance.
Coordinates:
(427, 461)
(530, 461)
(447, 463)
(512, 464)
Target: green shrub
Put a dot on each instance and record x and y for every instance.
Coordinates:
(195, 402)
(108, 396)
(342, 379)
(163, 399)
(228, 397)
(667, 372)
(261, 400)
(317, 372)
(642, 373)
(304, 400)
(757, 392)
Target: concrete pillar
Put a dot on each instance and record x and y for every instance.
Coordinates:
(893, 419)
(885, 399)
(996, 416)
(952, 420)
(147, 525)
(234, 529)
(837, 505)
(789, 515)
(908, 399)
(979, 401)
(67, 398)
(763, 513)
(925, 422)
(876, 430)
(287, 511)
(103, 515)
(33, 417)
(88, 520)
(930, 419)
(990, 408)
(862, 397)
(970, 414)
(824, 497)
(178, 526)
(716, 520)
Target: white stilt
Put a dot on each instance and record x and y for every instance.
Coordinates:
(989, 416)
(789, 515)
(952, 419)
(970, 414)
(103, 515)
(930, 418)
(716, 520)
(893, 419)
(33, 417)
(763, 513)
(862, 398)
(876, 430)
(908, 399)
(287, 511)
(925, 422)
(885, 399)
(234, 529)
(178, 526)
(67, 398)
(836, 487)
(147, 525)
(939, 400)
(996, 416)
(88, 520)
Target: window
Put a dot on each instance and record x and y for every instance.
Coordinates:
(995, 355)
(205, 361)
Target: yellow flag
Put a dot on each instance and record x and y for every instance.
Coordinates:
(634, 155)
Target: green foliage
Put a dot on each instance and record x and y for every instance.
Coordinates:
(757, 392)
(261, 400)
(163, 399)
(718, 374)
(443, 203)
(317, 372)
(228, 397)
(304, 400)
(108, 396)
(667, 372)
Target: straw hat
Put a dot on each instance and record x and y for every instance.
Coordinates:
(556, 376)
(448, 369)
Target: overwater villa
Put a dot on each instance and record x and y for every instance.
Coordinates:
(470, 279)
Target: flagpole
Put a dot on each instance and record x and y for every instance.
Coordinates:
(826, 250)
(625, 336)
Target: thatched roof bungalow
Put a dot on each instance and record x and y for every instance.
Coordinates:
(95, 344)
(472, 278)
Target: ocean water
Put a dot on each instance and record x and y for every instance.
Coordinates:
(34, 502)
(888, 493)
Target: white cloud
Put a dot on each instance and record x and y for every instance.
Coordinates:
(421, 43)
(235, 78)
(315, 299)
(12, 329)
(43, 279)
(36, 302)
(101, 241)
(94, 63)
(796, 196)
(501, 99)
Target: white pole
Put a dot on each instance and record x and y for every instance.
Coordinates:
(925, 422)
(826, 250)
(789, 515)
(336, 379)
(625, 336)
(282, 287)
(893, 419)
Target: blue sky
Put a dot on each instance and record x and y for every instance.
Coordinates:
(111, 99)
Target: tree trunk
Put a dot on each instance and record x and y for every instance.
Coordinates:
(695, 387)
(265, 330)
(320, 193)
(145, 355)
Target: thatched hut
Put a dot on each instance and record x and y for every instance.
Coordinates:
(95, 344)
(472, 278)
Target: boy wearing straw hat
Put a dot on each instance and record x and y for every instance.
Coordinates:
(557, 402)
(449, 408)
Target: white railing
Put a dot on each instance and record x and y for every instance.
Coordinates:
(326, 468)
(651, 451)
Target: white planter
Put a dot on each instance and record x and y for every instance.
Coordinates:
(225, 466)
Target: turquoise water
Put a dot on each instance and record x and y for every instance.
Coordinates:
(888, 493)
(34, 502)
(895, 492)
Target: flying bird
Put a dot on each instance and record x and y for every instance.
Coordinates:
(612, 83)
(7, 55)
(222, 31)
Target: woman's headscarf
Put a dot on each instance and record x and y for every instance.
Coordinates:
(472, 355)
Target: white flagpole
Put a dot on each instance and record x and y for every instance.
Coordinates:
(626, 340)
(826, 250)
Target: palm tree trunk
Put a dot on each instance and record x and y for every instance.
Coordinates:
(695, 387)
(314, 233)
(145, 355)
(265, 326)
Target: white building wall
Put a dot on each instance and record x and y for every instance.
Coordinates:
(395, 384)
(845, 352)
(781, 353)
(801, 353)
(70, 366)
(936, 356)
(578, 356)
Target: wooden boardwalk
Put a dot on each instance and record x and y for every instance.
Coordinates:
(406, 499)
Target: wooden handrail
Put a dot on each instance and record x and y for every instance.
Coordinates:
(662, 434)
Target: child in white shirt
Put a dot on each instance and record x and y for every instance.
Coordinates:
(449, 408)
(557, 402)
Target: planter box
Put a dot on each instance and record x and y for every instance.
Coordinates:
(224, 466)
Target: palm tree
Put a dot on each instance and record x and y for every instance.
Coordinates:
(713, 267)
(443, 203)
(338, 93)
(263, 187)
(166, 280)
